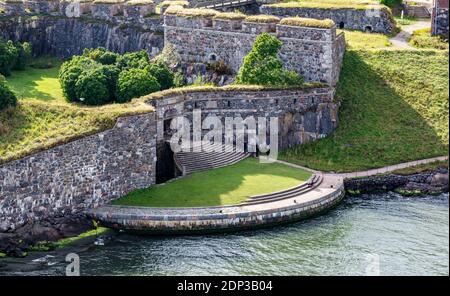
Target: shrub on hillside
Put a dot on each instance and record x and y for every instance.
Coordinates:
(91, 87)
(7, 97)
(111, 73)
(263, 67)
(162, 73)
(101, 55)
(134, 83)
(136, 60)
(70, 72)
(100, 77)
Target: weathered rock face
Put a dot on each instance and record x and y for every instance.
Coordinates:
(85, 173)
(373, 20)
(421, 183)
(65, 37)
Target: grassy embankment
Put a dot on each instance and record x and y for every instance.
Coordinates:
(44, 119)
(423, 39)
(222, 186)
(394, 109)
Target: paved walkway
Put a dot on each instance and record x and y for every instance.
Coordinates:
(402, 38)
(392, 168)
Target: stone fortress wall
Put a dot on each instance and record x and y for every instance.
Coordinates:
(315, 53)
(379, 20)
(440, 18)
(303, 115)
(82, 174)
(91, 171)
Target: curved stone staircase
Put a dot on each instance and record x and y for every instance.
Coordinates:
(191, 162)
(309, 185)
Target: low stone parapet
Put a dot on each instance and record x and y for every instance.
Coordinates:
(373, 18)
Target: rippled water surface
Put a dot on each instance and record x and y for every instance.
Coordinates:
(410, 236)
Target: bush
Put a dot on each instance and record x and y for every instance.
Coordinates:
(262, 66)
(136, 60)
(91, 87)
(101, 55)
(23, 55)
(134, 83)
(391, 3)
(162, 73)
(178, 80)
(8, 56)
(7, 97)
(70, 72)
(111, 73)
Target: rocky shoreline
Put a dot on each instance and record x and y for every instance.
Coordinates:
(16, 243)
(429, 182)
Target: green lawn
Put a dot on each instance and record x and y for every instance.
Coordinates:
(362, 40)
(223, 186)
(44, 118)
(394, 109)
(37, 84)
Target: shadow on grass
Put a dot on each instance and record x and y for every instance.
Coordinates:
(37, 83)
(378, 125)
(227, 185)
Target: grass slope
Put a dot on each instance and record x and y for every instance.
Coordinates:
(362, 40)
(44, 119)
(394, 109)
(223, 186)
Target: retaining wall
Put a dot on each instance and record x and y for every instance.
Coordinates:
(303, 115)
(82, 174)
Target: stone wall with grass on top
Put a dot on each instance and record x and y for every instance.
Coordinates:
(303, 115)
(315, 53)
(376, 19)
(82, 174)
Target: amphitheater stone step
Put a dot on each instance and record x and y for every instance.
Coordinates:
(191, 162)
(303, 188)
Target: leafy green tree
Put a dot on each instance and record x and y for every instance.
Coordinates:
(134, 83)
(263, 67)
(7, 97)
(136, 60)
(69, 73)
(8, 56)
(111, 73)
(391, 3)
(162, 73)
(91, 87)
(101, 55)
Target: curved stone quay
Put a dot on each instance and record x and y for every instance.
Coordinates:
(150, 220)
